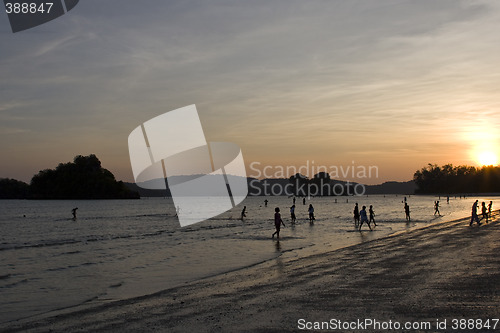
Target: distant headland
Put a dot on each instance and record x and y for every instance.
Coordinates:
(84, 178)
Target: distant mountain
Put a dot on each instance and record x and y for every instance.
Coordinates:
(408, 187)
(144, 192)
(283, 186)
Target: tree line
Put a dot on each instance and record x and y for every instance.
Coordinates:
(84, 178)
(449, 179)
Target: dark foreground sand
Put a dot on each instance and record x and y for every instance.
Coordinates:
(444, 271)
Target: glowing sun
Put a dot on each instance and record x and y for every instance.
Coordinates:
(487, 158)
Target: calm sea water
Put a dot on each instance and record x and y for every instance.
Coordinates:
(119, 249)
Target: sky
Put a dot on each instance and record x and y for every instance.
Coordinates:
(390, 84)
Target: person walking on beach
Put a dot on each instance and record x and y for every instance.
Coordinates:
(436, 208)
(73, 211)
(372, 215)
(407, 212)
(265, 202)
(311, 213)
(356, 215)
(304, 201)
(277, 222)
(292, 213)
(489, 208)
(484, 211)
(364, 218)
(243, 213)
(474, 216)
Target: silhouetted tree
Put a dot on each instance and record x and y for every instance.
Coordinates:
(13, 189)
(84, 178)
(460, 179)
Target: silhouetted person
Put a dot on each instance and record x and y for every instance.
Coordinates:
(372, 215)
(304, 201)
(356, 215)
(363, 218)
(292, 213)
(265, 202)
(474, 216)
(294, 200)
(243, 212)
(489, 208)
(73, 211)
(436, 208)
(484, 211)
(407, 212)
(448, 199)
(277, 222)
(311, 213)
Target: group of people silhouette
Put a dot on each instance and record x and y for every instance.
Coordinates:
(485, 212)
(361, 217)
(278, 221)
(310, 210)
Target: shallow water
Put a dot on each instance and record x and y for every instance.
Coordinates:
(118, 249)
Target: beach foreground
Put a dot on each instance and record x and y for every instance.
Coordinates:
(444, 271)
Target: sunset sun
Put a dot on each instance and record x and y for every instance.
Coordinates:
(487, 158)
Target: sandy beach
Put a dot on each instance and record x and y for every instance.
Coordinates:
(441, 272)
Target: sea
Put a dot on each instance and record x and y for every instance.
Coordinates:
(51, 263)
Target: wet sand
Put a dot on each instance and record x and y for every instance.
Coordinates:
(444, 271)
